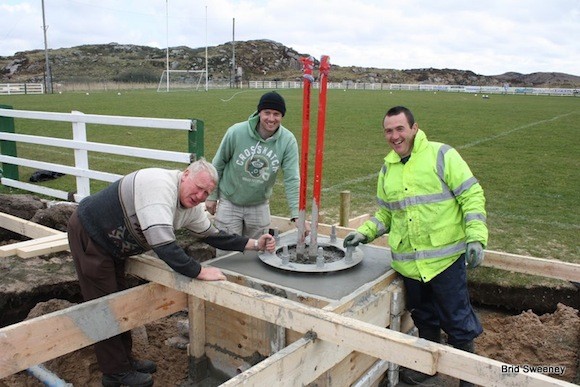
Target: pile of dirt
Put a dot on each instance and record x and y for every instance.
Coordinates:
(528, 340)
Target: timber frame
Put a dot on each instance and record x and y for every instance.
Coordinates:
(306, 340)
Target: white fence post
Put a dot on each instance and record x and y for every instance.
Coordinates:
(81, 158)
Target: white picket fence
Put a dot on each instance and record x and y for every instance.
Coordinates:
(420, 87)
(21, 88)
(82, 147)
(38, 88)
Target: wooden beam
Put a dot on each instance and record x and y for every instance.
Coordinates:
(43, 248)
(530, 265)
(402, 349)
(14, 248)
(34, 341)
(196, 315)
(25, 227)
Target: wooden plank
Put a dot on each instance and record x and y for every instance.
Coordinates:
(43, 248)
(25, 227)
(348, 371)
(236, 332)
(358, 221)
(11, 249)
(530, 265)
(346, 332)
(196, 315)
(34, 341)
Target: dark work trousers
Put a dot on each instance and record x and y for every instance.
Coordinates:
(444, 303)
(100, 274)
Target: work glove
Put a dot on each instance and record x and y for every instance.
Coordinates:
(353, 239)
(474, 254)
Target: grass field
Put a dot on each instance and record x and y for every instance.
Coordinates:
(525, 150)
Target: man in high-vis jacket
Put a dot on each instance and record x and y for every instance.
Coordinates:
(434, 211)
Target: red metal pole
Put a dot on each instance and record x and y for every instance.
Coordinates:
(308, 64)
(323, 79)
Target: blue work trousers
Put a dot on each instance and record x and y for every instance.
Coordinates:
(444, 303)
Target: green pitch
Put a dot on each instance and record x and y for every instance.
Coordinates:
(525, 150)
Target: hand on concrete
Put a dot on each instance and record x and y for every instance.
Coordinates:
(208, 273)
(267, 243)
(353, 239)
(474, 254)
(211, 206)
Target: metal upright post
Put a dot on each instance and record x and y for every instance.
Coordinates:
(308, 64)
(48, 79)
(323, 80)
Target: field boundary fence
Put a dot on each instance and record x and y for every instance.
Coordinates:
(420, 87)
(38, 88)
(9, 174)
(21, 88)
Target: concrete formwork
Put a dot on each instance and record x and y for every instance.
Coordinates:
(256, 331)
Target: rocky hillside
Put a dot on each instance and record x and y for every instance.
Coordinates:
(259, 59)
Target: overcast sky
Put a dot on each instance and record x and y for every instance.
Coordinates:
(488, 37)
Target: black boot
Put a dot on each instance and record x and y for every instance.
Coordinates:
(411, 376)
(143, 365)
(467, 347)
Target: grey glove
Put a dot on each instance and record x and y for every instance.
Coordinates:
(353, 239)
(474, 254)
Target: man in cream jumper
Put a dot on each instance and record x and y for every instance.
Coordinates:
(137, 213)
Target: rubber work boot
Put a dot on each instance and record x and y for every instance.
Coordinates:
(129, 378)
(411, 376)
(145, 366)
(467, 347)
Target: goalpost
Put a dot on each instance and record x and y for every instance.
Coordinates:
(172, 80)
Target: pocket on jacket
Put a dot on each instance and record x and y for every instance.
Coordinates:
(446, 235)
(394, 240)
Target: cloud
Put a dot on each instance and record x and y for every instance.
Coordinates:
(487, 37)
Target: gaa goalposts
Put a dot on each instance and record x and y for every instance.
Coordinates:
(173, 80)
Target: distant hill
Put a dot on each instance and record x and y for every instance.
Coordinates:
(259, 59)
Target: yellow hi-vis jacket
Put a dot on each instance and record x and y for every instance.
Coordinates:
(432, 206)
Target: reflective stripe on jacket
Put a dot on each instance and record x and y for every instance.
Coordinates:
(432, 206)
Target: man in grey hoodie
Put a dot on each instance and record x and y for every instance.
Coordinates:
(248, 160)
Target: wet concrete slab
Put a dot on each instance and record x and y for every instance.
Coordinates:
(331, 285)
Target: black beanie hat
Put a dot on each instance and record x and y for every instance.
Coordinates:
(274, 101)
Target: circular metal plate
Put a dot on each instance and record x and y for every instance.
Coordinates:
(335, 258)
